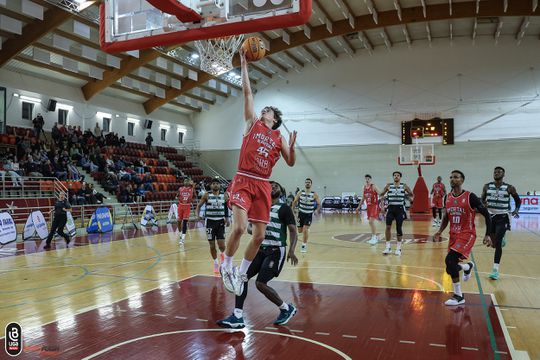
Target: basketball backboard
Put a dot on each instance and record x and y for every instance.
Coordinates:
(137, 24)
(416, 154)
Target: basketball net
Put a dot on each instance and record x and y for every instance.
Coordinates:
(216, 54)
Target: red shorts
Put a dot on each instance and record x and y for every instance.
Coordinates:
(372, 211)
(437, 202)
(252, 195)
(462, 243)
(183, 211)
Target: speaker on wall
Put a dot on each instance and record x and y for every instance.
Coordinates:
(51, 106)
(148, 124)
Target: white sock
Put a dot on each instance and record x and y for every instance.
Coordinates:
(244, 266)
(284, 306)
(457, 289)
(183, 236)
(216, 261)
(227, 262)
(496, 267)
(238, 313)
(465, 267)
(388, 246)
(399, 245)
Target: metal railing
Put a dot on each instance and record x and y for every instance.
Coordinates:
(30, 187)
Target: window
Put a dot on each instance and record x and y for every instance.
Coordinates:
(130, 128)
(106, 124)
(62, 116)
(180, 137)
(163, 134)
(27, 110)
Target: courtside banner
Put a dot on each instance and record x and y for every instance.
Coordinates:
(70, 225)
(92, 224)
(530, 204)
(104, 219)
(40, 224)
(8, 230)
(29, 229)
(173, 213)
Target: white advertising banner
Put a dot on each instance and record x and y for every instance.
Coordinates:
(529, 204)
(173, 213)
(35, 224)
(70, 224)
(8, 230)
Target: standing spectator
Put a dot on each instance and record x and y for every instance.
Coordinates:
(55, 133)
(149, 141)
(97, 131)
(59, 221)
(38, 123)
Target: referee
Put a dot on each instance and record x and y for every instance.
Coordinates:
(59, 221)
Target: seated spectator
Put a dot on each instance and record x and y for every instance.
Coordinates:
(139, 166)
(89, 195)
(124, 175)
(97, 195)
(139, 194)
(74, 173)
(33, 167)
(47, 169)
(11, 169)
(109, 183)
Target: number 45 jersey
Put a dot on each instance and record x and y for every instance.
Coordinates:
(261, 149)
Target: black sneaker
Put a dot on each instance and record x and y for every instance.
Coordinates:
(232, 322)
(285, 315)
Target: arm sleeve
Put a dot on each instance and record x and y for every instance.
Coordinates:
(286, 215)
(477, 204)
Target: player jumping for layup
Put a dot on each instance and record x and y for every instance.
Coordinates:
(460, 210)
(250, 190)
(438, 191)
(371, 198)
(396, 210)
(496, 196)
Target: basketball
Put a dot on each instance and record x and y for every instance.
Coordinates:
(254, 48)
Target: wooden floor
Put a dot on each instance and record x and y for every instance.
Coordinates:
(37, 288)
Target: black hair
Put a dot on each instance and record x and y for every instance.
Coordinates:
(397, 172)
(281, 188)
(277, 116)
(215, 180)
(309, 180)
(460, 173)
(367, 175)
(500, 168)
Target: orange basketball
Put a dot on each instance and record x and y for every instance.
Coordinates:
(254, 48)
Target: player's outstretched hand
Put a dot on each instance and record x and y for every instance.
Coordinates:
(487, 241)
(292, 139)
(515, 214)
(437, 237)
(292, 259)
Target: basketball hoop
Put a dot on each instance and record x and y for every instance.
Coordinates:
(216, 54)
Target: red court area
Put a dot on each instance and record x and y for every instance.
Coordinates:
(333, 322)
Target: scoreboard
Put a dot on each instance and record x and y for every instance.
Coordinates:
(421, 129)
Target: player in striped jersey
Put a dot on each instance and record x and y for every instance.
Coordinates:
(496, 197)
(307, 200)
(397, 192)
(217, 217)
(269, 261)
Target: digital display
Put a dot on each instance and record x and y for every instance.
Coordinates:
(420, 129)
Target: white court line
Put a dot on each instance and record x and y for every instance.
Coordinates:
(377, 339)
(407, 342)
(437, 345)
(350, 336)
(202, 320)
(326, 346)
(469, 348)
(270, 328)
(181, 317)
(511, 327)
(322, 333)
(296, 331)
(162, 315)
(515, 354)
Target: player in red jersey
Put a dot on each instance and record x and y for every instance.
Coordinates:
(250, 193)
(371, 198)
(460, 211)
(438, 191)
(185, 198)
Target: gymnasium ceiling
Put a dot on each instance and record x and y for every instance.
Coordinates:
(62, 46)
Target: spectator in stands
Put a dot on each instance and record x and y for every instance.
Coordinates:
(122, 142)
(75, 152)
(98, 197)
(124, 175)
(149, 139)
(33, 167)
(109, 183)
(139, 194)
(97, 131)
(139, 166)
(89, 194)
(47, 169)
(79, 195)
(38, 123)
(55, 133)
(126, 195)
(74, 173)
(147, 181)
(11, 169)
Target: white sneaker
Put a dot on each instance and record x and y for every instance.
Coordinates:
(303, 249)
(398, 252)
(374, 240)
(387, 251)
(455, 300)
(181, 241)
(467, 274)
(238, 281)
(226, 277)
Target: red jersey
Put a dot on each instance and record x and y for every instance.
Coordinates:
(370, 195)
(185, 194)
(261, 148)
(438, 190)
(460, 214)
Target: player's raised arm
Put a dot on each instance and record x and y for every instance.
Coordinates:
(249, 108)
(287, 150)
